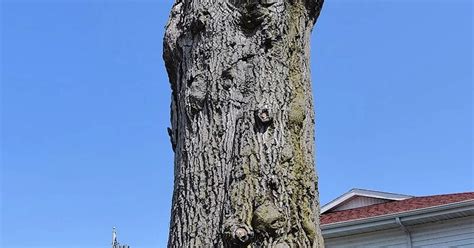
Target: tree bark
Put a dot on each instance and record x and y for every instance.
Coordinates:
(242, 123)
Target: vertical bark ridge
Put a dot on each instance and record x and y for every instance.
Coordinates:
(242, 123)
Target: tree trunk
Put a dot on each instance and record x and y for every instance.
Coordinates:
(242, 123)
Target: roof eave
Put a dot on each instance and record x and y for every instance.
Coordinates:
(388, 221)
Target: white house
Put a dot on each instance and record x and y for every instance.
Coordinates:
(366, 219)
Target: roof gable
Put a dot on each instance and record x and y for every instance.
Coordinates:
(357, 198)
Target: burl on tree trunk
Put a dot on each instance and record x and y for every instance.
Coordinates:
(242, 123)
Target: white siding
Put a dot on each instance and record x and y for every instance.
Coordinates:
(454, 233)
(450, 233)
(360, 201)
(393, 238)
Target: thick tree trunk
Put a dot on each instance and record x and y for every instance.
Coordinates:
(242, 123)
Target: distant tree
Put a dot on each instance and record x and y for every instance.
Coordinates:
(242, 123)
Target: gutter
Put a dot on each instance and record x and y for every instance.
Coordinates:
(405, 230)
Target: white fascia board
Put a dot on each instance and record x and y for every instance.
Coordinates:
(336, 202)
(375, 223)
(381, 195)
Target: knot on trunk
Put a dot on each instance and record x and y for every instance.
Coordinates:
(252, 17)
(264, 116)
(282, 245)
(267, 219)
(242, 235)
(196, 94)
(238, 235)
(198, 22)
(252, 13)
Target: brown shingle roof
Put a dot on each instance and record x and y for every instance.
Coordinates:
(394, 207)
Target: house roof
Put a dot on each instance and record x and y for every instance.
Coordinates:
(352, 198)
(393, 207)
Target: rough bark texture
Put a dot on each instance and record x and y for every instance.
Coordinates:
(242, 123)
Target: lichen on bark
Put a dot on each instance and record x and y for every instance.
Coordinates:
(242, 123)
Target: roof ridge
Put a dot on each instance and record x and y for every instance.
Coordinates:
(445, 194)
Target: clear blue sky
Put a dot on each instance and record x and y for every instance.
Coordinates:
(85, 106)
